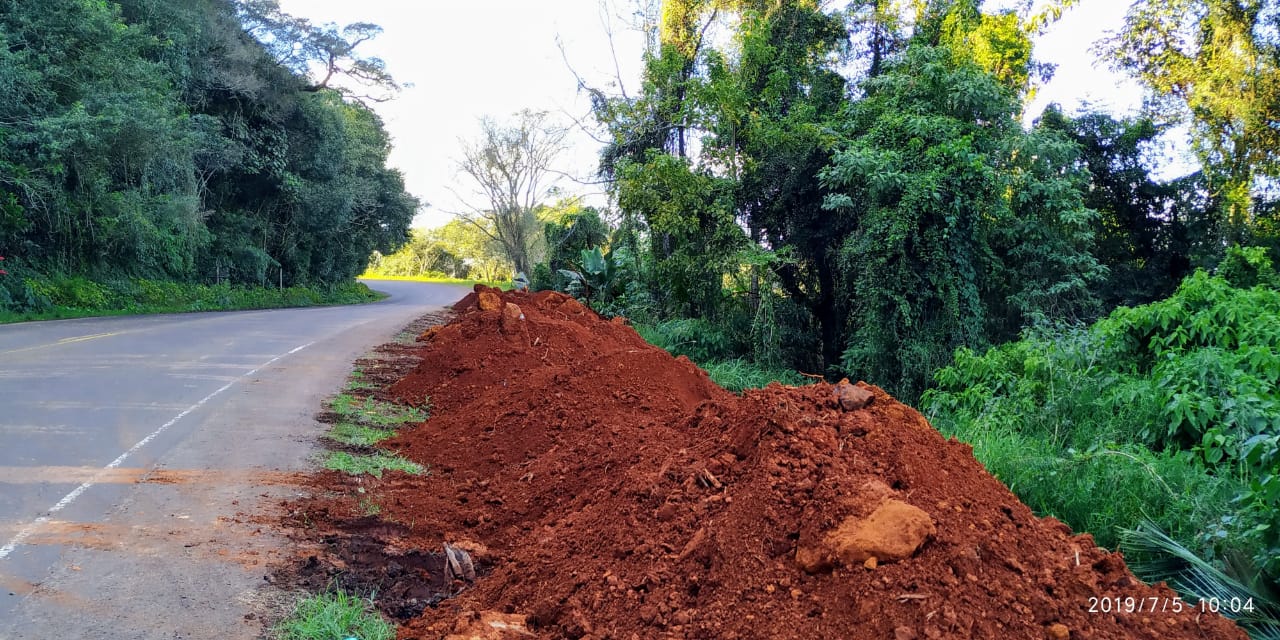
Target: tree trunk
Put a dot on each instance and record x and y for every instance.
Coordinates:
(825, 310)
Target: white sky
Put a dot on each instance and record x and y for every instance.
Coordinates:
(495, 57)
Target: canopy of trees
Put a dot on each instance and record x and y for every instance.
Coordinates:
(859, 181)
(161, 139)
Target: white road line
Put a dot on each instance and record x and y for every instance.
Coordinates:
(66, 500)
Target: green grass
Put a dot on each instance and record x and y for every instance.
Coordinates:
(375, 413)
(739, 375)
(358, 435)
(62, 298)
(368, 507)
(373, 464)
(334, 615)
(505, 286)
(711, 348)
(1103, 489)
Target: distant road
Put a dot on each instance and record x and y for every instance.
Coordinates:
(130, 447)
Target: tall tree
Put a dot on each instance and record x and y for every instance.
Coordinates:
(1216, 65)
(965, 228)
(775, 110)
(327, 51)
(512, 168)
(159, 139)
(1150, 235)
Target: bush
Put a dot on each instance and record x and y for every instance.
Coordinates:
(698, 339)
(37, 296)
(1169, 411)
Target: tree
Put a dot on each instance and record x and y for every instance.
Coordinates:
(1150, 235)
(512, 170)
(965, 228)
(154, 139)
(775, 113)
(328, 50)
(1216, 65)
(483, 256)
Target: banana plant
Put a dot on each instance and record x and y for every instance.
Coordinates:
(595, 274)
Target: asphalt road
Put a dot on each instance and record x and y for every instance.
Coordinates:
(131, 449)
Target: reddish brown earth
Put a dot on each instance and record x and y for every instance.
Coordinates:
(608, 490)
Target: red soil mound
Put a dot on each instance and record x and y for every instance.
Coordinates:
(609, 490)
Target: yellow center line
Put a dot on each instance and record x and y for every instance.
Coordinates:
(64, 341)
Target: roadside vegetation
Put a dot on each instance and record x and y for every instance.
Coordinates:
(1155, 428)
(794, 188)
(360, 423)
(438, 278)
(334, 615)
(180, 156)
(373, 464)
(57, 298)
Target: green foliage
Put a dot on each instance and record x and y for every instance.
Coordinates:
(334, 615)
(459, 250)
(594, 277)
(1149, 235)
(1214, 64)
(358, 435)
(693, 237)
(1165, 411)
(700, 340)
(154, 140)
(1245, 600)
(1247, 267)
(40, 298)
(373, 464)
(425, 254)
(739, 375)
(717, 351)
(370, 411)
(967, 227)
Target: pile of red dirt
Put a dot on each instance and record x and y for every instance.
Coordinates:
(608, 490)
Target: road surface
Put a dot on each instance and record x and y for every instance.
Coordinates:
(131, 449)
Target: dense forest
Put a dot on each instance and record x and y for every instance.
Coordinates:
(146, 145)
(849, 189)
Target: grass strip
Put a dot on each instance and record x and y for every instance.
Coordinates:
(372, 464)
(81, 298)
(358, 435)
(334, 615)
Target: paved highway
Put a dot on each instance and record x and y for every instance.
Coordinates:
(131, 447)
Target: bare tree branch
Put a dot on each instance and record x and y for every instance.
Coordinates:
(511, 168)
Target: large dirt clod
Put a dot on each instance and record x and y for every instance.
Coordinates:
(489, 301)
(893, 532)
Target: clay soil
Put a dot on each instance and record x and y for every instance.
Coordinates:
(608, 490)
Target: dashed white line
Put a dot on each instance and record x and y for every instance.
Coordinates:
(66, 500)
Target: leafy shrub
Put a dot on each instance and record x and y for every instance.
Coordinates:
(43, 296)
(21, 290)
(696, 338)
(80, 293)
(1168, 410)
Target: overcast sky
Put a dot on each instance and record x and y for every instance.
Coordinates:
(495, 57)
